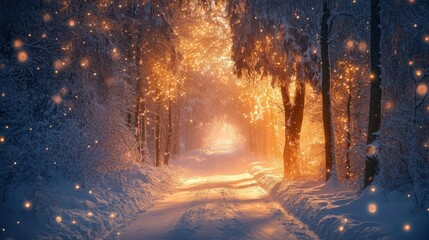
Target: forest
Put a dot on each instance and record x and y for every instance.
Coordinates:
(111, 110)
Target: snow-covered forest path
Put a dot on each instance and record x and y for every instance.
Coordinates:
(209, 205)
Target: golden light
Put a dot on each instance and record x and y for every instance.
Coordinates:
(389, 105)
(363, 46)
(2, 139)
(90, 214)
(426, 39)
(115, 54)
(372, 189)
(407, 227)
(22, 56)
(72, 23)
(350, 44)
(422, 89)
(341, 228)
(57, 99)
(47, 17)
(84, 63)
(77, 186)
(410, 63)
(27, 204)
(372, 76)
(74, 222)
(371, 150)
(58, 219)
(372, 208)
(112, 215)
(18, 43)
(418, 73)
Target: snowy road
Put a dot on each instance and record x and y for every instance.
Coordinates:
(212, 206)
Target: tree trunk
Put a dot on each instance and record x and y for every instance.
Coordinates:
(167, 150)
(371, 163)
(328, 127)
(348, 134)
(158, 136)
(294, 115)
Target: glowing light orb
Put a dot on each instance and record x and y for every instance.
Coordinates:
(64, 91)
(77, 187)
(17, 43)
(58, 64)
(389, 105)
(372, 76)
(57, 99)
(112, 215)
(27, 204)
(72, 23)
(407, 227)
(373, 189)
(58, 219)
(350, 44)
(422, 89)
(341, 228)
(90, 214)
(22, 56)
(363, 46)
(426, 39)
(372, 208)
(84, 62)
(371, 150)
(2, 139)
(418, 73)
(47, 17)
(74, 222)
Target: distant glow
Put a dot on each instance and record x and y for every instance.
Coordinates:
(372, 208)
(418, 73)
(84, 62)
(407, 227)
(27, 204)
(90, 214)
(74, 222)
(341, 228)
(2, 139)
(47, 17)
(389, 105)
(58, 219)
(350, 44)
(77, 186)
(57, 99)
(422, 89)
(17, 43)
(72, 23)
(372, 76)
(112, 215)
(372, 189)
(362, 46)
(426, 39)
(22, 56)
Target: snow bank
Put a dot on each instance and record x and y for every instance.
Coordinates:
(336, 212)
(76, 210)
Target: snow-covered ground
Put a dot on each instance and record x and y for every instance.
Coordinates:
(76, 210)
(218, 199)
(333, 211)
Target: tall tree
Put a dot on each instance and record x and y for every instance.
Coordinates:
(371, 161)
(328, 127)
